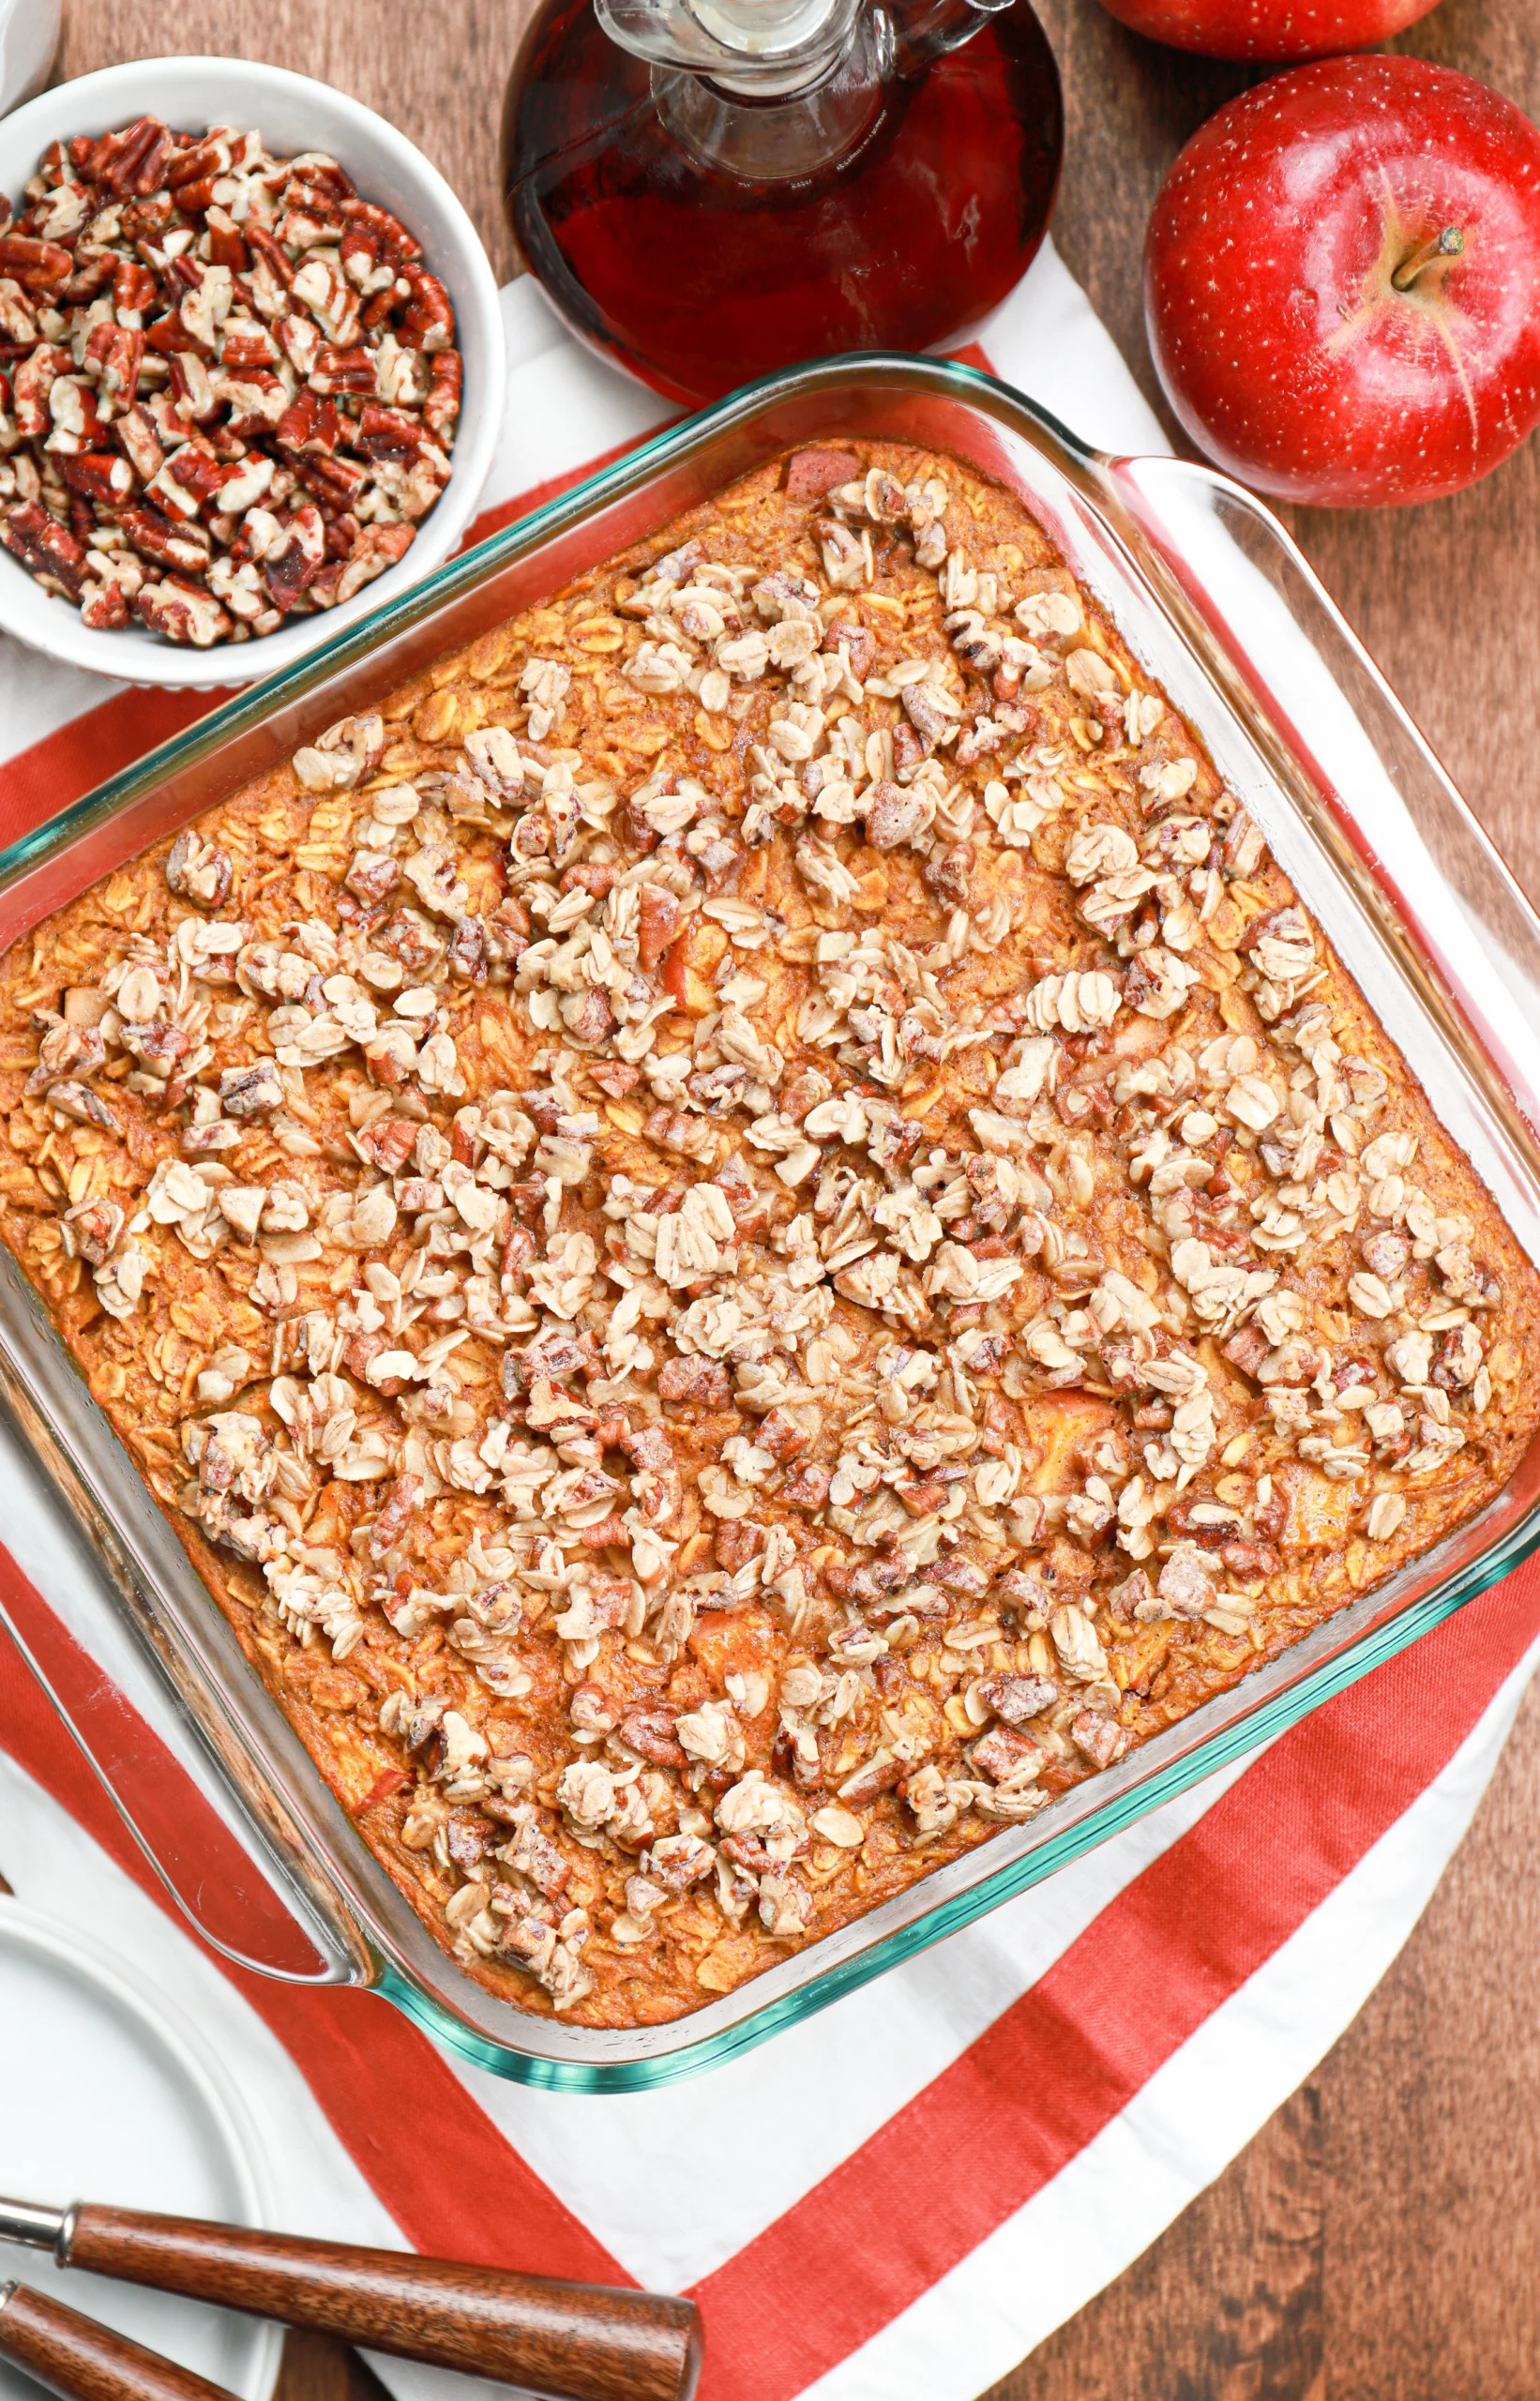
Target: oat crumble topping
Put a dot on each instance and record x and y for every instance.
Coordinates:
(751, 1231)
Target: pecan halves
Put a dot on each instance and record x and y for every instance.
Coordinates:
(185, 549)
(31, 385)
(446, 379)
(43, 267)
(46, 549)
(377, 547)
(182, 613)
(427, 321)
(105, 603)
(131, 161)
(115, 355)
(293, 560)
(99, 476)
(229, 367)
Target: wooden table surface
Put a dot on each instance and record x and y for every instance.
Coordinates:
(1378, 2239)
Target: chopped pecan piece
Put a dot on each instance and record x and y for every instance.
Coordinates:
(859, 644)
(1006, 1756)
(878, 1775)
(807, 1487)
(1019, 1698)
(199, 870)
(251, 1092)
(810, 473)
(893, 816)
(394, 1517)
(387, 1143)
(702, 1383)
(1102, 1740)
(1248, 1349)
(658, 924)
(79, 1102)
(650, 1732)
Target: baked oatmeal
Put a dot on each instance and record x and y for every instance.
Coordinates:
(751, 1231)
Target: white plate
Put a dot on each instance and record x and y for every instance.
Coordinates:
(106, 2094)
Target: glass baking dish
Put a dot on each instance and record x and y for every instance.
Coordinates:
(1221, 607)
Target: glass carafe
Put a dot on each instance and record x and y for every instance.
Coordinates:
(711, 188)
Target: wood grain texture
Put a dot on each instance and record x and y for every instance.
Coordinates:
(585, 2341)
(1377, 2241)
(435, 68)
(315, 2368)
(73, 2356)
(1379, 2238)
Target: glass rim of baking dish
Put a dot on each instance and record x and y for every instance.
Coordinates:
(1137, 507)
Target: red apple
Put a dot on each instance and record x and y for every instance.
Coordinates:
(1342, 282)
(1274, 31)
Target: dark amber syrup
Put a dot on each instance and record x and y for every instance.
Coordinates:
(696, 281)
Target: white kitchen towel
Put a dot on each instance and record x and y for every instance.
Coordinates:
(904, 2194)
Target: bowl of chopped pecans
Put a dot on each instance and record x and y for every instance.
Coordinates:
(250, 369)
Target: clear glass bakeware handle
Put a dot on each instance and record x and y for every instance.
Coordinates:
(337, 1967)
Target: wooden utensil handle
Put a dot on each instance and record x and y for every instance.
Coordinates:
(585, 2342)
(74, 2356)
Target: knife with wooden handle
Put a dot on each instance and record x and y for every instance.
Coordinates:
(84, 2361)
(581, 2342)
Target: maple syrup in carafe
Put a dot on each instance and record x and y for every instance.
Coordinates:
(703, 236)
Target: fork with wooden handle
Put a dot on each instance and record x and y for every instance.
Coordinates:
(581, 2342)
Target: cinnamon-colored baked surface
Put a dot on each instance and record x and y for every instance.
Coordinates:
(749, 1234)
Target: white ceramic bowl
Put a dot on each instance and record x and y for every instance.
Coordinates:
(293, 112)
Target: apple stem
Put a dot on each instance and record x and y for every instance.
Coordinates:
(1447, 245)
